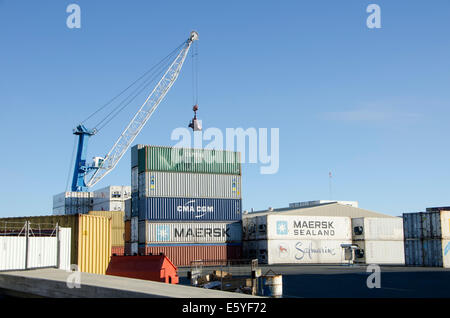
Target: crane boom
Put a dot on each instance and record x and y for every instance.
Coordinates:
(140, 119)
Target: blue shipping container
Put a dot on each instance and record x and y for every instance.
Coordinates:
(135, 204)
(190, 209)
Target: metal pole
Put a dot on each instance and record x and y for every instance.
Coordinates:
(27, 228)
(58, 247)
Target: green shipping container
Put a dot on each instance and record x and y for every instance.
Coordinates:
(171, 159)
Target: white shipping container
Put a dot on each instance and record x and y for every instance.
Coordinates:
(298, 227)
(109, 206)
(190, 232)
(388, 229)
(112, 193)
(189, 185)
(380, 252)
(134, 229)
(301, 251)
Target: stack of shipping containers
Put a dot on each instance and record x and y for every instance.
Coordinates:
(295, 239)
(186, 203)
(72, 203)
(111, 198)
(380, 240)
(427, 238)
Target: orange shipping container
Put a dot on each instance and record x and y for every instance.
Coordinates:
(183, 255)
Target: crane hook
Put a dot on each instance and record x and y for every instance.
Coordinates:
(195, 124)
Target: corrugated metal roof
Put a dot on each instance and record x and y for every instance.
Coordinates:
(328, 209)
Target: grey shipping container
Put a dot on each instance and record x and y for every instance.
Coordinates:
(189, 185)
(171, 159)
(429, 253)
(189, 209)
(427, 225)
(190, 232)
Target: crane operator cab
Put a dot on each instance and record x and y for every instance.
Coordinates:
(195, 123)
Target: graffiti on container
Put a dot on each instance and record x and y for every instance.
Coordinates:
(189, 207)
(310, 251)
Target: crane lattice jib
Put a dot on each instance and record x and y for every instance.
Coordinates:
(139, 120)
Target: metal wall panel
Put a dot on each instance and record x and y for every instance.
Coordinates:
(42, 252)
(387, 229)
(170, 159)
(12, 253)
(189, 185)
(183, 255)
(65, 234)
(189, 209)
(192, 232)
(381, 252)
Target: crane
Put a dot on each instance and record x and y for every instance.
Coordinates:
(87, 175)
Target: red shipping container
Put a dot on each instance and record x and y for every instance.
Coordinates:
(156, 268)
(183, 255)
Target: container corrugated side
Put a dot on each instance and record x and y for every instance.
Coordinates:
(128, 231)
(134, 204)
(134, 155)
(381, 252)
(189, 185)
(183, 255)
(94, 244)
(428, 253)
(171, 159)
(189, 209)
(131, 248)
(386, 229)
(190, 232)
(427, 225)
(298, 227)
(117, 225)
(412, 225)
(134, 229)
(302, 251)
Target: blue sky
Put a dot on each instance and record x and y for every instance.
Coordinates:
(370, 105)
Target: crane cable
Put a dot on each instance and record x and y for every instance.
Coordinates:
(194, 56)
(122, 105)
(152, 69)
